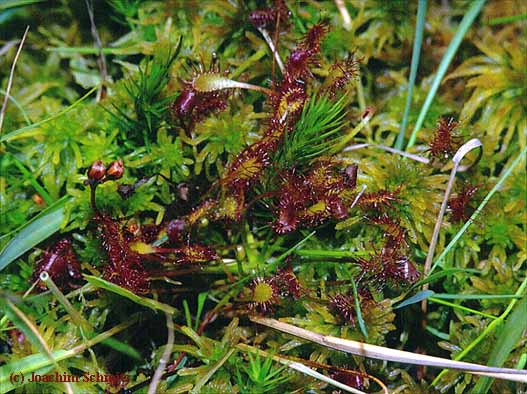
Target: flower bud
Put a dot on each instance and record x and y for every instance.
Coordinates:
(115, 170)
(96, 171)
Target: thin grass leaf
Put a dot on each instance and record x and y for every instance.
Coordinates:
(293, 249)
(186, 309)
(26, 131)
(522, 361)
(123, 348)
(202, 297)
(465, 24)
(507, 19)
(317, 375)
(22, 322)
(112, 287)
(418, 158)
(30, 330)
(74, 314)
(358, 311)
(254, 58)
(10, 79)
(446, 296)
(29, 176)
(443, 335)
(418, 297)
(40, 363)
(37, 230)
(200, 383)
(165, 357)
(446, 272)
(6, 4)
(94, 51)
(60, 201)
(18, 105)
(300, 368)
(416, 53)
(458, 157)
(332, 254)
(488, 330)
(461, 308)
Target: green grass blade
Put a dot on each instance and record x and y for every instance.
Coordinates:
(416, 53)
(497, 322)
(60, 201)
(417, 297)
(293, 249)
(434, 331)
(112, 287)
(29, 176)
(23, 323)
(27, 365)
(446, 272)
(507, 19)
(522, 361)
(46, 224)
(122, 347)
(202, 297)
(496, 187)
(446, 296)
(334, 254)
(94, 51)
(6, 4)
(510, 336)
(188, 317)
(19, 133)
(461, 307)
(362, 325)
(18, 105)
(40, 363)
(465, 24)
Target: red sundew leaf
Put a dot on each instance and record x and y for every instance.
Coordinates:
(289, 102)
(266, 18)
(61, 263)
(378, 201)
(344, 305)
(194, 253)
(202, 210)
(131, 278)
(397, 266)
(460, 209)
(264, 296)
(314, 36)
(311, 199)
(340, 76)
(287, 283)
(392, 229)
(355, 380)
(125, 267)
(445, 141)
(195, 103)
(248, 166)
(324, 178)
(293, 197)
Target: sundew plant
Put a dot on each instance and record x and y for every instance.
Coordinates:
(230, 196)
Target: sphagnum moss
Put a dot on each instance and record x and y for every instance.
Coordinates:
(212, 182)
